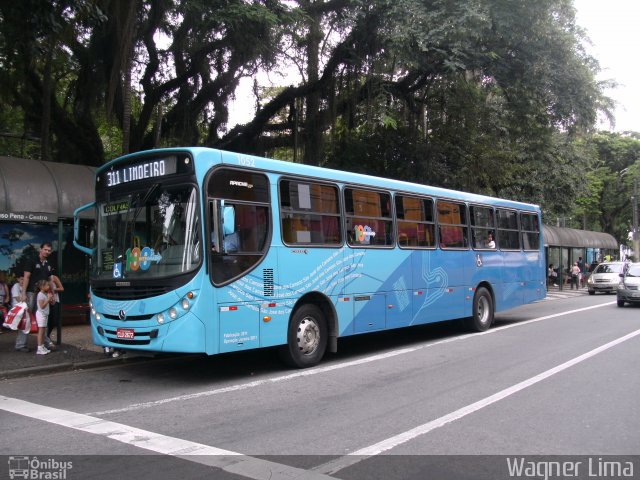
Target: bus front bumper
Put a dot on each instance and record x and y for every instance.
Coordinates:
(184, 335)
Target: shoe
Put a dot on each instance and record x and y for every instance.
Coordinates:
(42, 351)
(23, 349)
(50, 346)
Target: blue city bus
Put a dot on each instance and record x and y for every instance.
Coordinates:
(202, 250)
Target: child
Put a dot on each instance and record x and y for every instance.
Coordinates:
(43, 300)
(17, 292)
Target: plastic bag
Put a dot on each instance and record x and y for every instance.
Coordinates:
(28, 324)
(15, 315)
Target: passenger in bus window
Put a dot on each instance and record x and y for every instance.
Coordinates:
(231, 242)
(490, 242)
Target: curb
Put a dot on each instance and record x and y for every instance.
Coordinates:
(58, 367)
(86, 365)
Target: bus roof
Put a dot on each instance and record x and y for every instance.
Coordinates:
(206, 157)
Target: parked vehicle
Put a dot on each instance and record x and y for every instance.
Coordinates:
(605, 278)
(629, 285)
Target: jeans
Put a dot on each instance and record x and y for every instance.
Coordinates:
(21, 340)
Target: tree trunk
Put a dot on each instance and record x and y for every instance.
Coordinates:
(313, 133)
(47, 86)
(126, 115)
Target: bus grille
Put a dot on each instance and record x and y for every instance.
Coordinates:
(130, 293)
(131, 318)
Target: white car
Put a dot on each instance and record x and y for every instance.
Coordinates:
(605, 278)
(629, 286)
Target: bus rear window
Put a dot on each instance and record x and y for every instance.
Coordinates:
(530, 231)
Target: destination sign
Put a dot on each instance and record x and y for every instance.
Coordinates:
(140, 171)
(115, 208)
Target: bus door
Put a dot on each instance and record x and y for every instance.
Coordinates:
(513, 273)
(439, 287)
(487, 264)
(372, 264)
(440, 273)
(379, 284)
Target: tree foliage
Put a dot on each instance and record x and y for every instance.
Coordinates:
(489, 96)
(605, 201)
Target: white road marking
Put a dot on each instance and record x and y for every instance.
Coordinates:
(352, 458)
(226, 460)
(329, 368)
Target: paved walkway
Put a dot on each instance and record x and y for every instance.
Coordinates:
(554, 293)
(76, 351)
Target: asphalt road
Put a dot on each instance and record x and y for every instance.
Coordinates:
(556, 381)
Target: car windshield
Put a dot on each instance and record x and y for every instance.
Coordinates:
(148, 234)
(608, 268)
(634, 271)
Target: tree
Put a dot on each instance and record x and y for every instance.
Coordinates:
(606, 202)
(211, 46)
(481, 95)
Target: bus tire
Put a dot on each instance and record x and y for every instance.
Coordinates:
(482, 315)
(306, 337)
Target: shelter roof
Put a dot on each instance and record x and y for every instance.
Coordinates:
(57, 189)
(571, 237)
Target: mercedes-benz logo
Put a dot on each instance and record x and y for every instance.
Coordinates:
(122, 315)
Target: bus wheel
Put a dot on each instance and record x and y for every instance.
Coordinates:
(306, 338)
(482, 311)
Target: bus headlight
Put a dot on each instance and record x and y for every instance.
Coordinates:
(173, 313)
(160, 318)
(186, 304)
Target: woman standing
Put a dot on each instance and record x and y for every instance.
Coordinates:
(575, 275)
(54, 312)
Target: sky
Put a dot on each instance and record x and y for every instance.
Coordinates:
(612, 26)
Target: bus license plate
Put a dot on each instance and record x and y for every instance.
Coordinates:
(125, 333)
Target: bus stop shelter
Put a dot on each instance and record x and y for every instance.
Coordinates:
(564, 246)
(37, 201)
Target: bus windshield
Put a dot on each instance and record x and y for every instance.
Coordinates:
(150, 233)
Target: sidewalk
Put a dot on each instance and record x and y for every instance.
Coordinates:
(75, 352)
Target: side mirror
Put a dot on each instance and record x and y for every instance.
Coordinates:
(76, 229)
(229, 220)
